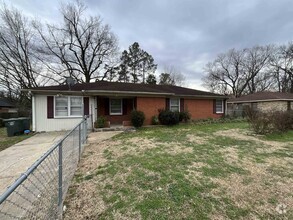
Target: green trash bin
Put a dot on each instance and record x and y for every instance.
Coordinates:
(25, 123)
(14, 126)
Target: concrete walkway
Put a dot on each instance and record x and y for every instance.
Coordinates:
(16, 159)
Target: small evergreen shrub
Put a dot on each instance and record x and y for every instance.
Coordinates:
(167, 117)
(137, 118)
(100, 122)
(155, 120)
(184, 116)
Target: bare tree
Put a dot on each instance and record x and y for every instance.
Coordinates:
(254, 66)
(19, 66)
(172, 76)
(225, 73)
(239, 72)
(82, 47)
(281, 62)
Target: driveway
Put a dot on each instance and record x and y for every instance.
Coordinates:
(16, 159)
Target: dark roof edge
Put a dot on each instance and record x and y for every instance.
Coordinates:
(107, 92)
(260, 100)
(96, 92)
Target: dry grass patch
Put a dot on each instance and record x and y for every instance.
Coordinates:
(196, 139)
(175, 173)
(244, 135)
(230, 154)
(260, 191)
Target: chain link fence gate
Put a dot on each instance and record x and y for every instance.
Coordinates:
(40, 191)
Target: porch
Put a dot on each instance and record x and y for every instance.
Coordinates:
(116, 110)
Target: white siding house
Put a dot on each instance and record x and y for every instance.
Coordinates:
(42, 123)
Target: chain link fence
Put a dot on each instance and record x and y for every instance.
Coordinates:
(40, 191)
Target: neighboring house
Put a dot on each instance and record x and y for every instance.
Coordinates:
(261, 101)
(61, 107)
(6, 106)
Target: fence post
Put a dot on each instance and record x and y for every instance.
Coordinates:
(85, 129)
(79, 141)
(60, 184)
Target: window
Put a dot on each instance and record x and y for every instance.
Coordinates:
(75, 106)
(115, 106)
(219, 106)
(254, 106)
(175, 105)
(68, 106)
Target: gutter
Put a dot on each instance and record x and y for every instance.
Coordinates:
(205, 96)
(33, 113)
(105, 92)
(267, 100)
(120, 93)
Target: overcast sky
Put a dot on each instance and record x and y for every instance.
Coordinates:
(184, 33)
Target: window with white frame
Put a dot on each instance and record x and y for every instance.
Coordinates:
(219, 106)
(115, 106)
(68, 106)
(175, 105)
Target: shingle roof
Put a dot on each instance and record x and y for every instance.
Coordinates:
(263, 96)
(5, 103)
(127, 87)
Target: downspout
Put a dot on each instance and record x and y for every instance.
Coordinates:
(92, 112)
(33, 113)
(226, 108)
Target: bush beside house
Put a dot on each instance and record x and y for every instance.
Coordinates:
(100, 122)
(184, 116)
(270, 122)
(137, 118)
(167, 117)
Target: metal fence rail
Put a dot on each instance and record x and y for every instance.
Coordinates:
(40, 191)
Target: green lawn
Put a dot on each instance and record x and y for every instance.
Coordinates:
(216, 171)
(6, 142)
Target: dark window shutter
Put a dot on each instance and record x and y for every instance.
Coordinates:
(86, 105)
(167, 104)
(106, 106)
(50, 106)
(135, 103)
(124, 106)
(289, 106)
(182, 105)
(224, 105)
(214, 106)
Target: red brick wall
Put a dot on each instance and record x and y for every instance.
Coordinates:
(150, 107)
(200, 108)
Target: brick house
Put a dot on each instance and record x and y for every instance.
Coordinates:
(61, 107)
(6, 106)
(261, 101)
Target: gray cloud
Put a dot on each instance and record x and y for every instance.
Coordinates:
(186, 33)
